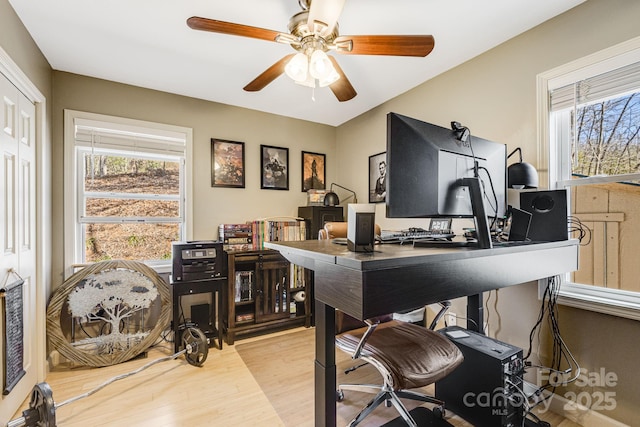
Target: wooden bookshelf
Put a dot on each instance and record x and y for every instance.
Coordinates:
(262, 286)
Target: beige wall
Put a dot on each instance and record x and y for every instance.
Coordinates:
(211, 206)
(16, 41)
(495, 96)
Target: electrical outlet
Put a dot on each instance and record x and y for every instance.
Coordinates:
(451, 319)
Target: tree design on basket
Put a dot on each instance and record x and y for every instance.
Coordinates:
(112, 296)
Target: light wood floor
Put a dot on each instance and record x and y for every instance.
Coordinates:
(223, 392)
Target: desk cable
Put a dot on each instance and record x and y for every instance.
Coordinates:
(560, 351)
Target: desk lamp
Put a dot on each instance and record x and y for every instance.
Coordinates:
(522, 174)
(332, 199)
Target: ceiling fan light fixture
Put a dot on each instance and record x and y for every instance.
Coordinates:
(320, 67)
(309, 82)
(297, 68)
(331, 78)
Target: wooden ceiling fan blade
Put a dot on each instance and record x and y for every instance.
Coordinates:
(341, 88)
(399, 45)
(327, 12)
(268, 75)
(215, 26)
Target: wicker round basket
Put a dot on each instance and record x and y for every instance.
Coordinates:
(104, 289)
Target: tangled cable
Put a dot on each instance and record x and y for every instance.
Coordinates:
(563, 362)
(576, 226)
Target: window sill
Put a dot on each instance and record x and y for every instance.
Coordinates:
(613, 302)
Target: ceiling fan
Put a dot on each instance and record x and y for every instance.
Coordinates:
(312, 33)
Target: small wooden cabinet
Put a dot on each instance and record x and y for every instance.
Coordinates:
(317, 216)
(265, 293)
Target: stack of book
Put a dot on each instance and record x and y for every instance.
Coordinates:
(236, 237)
(277, 231)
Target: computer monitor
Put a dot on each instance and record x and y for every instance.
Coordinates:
(432, 172)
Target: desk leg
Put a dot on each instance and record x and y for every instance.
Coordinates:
(325, 367)
(475, 313)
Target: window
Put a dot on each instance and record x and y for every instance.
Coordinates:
(127, 188)
(590, 126)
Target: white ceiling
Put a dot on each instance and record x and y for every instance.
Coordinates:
(147, 43)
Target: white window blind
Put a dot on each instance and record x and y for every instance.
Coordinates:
(115, 136)
(615, 82)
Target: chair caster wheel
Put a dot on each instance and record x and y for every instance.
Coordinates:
(439, 412)
(339, 395)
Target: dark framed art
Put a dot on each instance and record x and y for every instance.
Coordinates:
(227, 163)
(377, 178)
(274, 168)
(313, 171)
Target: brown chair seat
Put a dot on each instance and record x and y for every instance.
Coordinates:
(415, 356)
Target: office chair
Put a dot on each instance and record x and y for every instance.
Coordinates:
(332, 230)
(406, 355)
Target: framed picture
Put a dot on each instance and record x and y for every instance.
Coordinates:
(227, 163)
(313, 171)
(377, 178)
(274, 168)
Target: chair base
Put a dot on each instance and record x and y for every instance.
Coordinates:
(389, 397)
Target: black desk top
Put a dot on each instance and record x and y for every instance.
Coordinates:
(396, 255)
(399, 277)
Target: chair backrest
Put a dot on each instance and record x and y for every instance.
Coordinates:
(332, 230)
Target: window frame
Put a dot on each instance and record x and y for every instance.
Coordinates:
(179, 145)
(553, 162)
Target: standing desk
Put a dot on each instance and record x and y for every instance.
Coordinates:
(399, 277)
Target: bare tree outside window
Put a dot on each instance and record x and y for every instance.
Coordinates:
(608, 141)
(604, 142)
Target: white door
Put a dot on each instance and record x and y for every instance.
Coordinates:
(18, 230)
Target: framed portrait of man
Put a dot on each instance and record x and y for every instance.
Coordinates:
(378, 178)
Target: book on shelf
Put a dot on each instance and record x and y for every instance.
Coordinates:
(244, 317)
(297, 276)
(244, 286)
(236, 237)
(266, 230)
(235, 233)
(238, 247)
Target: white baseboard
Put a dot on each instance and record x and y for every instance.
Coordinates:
(579, 414)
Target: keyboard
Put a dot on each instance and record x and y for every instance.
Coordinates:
(413, 234)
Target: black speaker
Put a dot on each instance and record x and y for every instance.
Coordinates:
(361, 227)
(519, 223)
(201, 316)
(548, 214)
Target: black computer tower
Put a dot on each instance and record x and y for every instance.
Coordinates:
(486, 388)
